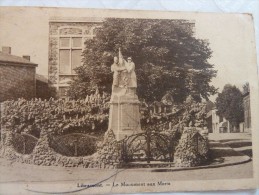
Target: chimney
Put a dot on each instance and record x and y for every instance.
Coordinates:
(27, 58)
(6, 50)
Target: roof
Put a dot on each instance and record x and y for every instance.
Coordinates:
(210, 106)
(76, 19)
(41, 78)
(14, 60)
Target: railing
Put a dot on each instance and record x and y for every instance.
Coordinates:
(24, 143)
(75, 144)
(149, 146)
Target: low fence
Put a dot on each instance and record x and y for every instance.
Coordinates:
(150, 146)
(24, 143)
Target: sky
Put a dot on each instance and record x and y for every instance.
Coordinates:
(231, 38)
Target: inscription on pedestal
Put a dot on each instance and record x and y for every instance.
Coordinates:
(124, 118)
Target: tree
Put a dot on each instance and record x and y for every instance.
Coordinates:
(229, 104)
(161, 50)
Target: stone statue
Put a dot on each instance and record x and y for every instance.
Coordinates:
(124, 76)
(118, 77)
(131, 75)
(124, 115)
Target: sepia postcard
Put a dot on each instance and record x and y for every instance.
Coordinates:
(117, 101)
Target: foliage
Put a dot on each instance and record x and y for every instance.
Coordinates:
(229, 104)
(55, 117)
(161, 50)
(194, 114)
(189, 114)
(192, 149)
(56, 121)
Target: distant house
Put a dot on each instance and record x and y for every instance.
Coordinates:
(215, 123)
(17, 76)
(247, 110)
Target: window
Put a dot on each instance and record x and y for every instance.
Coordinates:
(64, 61)
(77, 42)
(76, 59)
(70, 51)
(65, 42)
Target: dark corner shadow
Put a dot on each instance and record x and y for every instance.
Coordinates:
(247, 152)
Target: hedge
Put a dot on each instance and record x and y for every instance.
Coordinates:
(55, 117)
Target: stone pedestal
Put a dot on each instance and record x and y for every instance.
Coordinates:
(124, 116)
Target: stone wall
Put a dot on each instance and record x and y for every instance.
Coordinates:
(107, 156)
(17, 82)
(42, 154)
(86, 26)
(53, 60)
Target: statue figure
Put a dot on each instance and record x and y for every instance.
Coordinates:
(131, 75)
(124, 75)
(118, 77)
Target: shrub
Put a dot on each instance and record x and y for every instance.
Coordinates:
(192, 149)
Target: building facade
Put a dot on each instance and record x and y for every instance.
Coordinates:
(217, 124)
(247, 111)
(43, 90)
(66, 43)
(17, 76)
